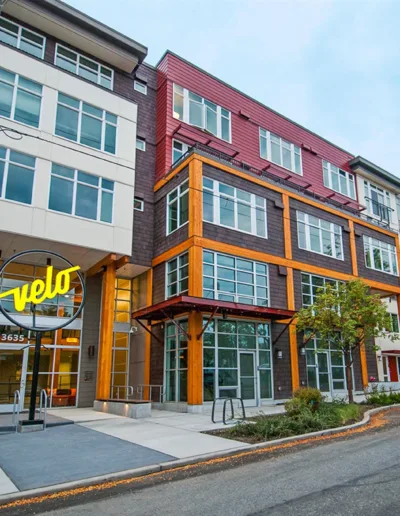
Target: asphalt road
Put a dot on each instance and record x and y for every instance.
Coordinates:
(358, 476)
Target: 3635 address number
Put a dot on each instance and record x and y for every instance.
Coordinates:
(12, 337)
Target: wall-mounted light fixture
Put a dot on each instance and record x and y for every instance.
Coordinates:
(279, 354)
(303, 351)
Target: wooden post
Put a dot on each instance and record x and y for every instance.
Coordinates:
(195, 360)
(353, 251)
(195, 198)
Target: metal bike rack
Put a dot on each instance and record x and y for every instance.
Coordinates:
(43, 407)
(224, 409)
(129, 391)
(16, 409)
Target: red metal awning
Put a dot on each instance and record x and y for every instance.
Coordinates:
(181, 304)
(390, 352)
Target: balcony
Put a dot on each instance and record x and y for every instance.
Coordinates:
(378, 210)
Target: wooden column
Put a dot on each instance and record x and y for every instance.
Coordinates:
(353, 252)
(106, 332)
(195, 198)
(364, 367)
(195, 360)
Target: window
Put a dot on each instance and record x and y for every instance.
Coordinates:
(178, 150)
(380, 255)
(178, 275)
(310, 285)
(319, 236)
(120, 365)
(233, 279)
(178, 207)
(141, 144)
(20, 98)
(197, 111)
(86, 124)
(16, 176)
(21, 38)
(325, 367)
(377, 202)
(138, 204)
(140, 86)
(84, 67)
(338, 180)
(123, 300)
(176, 345)
(395, 323)
(233, 208)
(279, 151)
(84, 195)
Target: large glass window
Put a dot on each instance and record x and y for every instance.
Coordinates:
(178, 275)
(380, 256)
(86, 124)
(279, 151)
(311, 285)
(377, 202)
(178, 207)
(338, 180)
(195, 110)
(123, 300)
(17, 172)
(178, 150)
(120, 365)
(81, 194)
(83, 66)
(234, 279)
(20, 98)
(176, 350)
(237, 209)
(325, 367)
(223, 341)
(19, 37)
(319, 236)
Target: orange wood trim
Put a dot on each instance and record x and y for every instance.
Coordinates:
(196, 271)
(364, 367)
(294, 355)
(353, 251)
(286, 227)
(195, 198)
(106, 332)
(290, 289)
(121, 262)
(147, 351)
(107, 260)
(195, 360)
(170, 176)
(178, 249)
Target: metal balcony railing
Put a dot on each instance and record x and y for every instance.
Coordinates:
(379, 210)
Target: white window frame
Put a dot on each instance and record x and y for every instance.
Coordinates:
(16, 86)
(176, 334)
(20, 37)
(328, 169)
(104, 123)
(220, 294)
(180, 278)
(185, 148)
(257, 205)
(294, 149)
(385, 195)
(334, 230)
(141, 144)
(309, 283)
(220, 112)
(75, 182)
(180, 190)
(372, 244)
(138, 204)
(78, 65)
(140, 86)
(3, 185)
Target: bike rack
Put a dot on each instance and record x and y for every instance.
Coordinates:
(224, 409)
(16, 409)
(129, 391)
(43, 407)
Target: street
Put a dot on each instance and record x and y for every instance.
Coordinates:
(360, 475)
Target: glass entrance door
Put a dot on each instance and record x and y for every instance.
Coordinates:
(12, 376)
(323, 372)
(248, 387)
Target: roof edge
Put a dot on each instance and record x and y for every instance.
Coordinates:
(371, 167)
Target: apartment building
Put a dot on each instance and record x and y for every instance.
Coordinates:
(253, 213)
(77, 153)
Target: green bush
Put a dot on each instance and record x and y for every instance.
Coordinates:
(294, 406)
(309, 396)
(382, 397)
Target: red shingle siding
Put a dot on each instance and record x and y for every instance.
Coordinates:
(245, 133)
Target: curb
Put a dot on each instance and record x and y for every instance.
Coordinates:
(174, 464)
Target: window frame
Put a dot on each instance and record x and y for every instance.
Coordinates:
(3, 185)
(78, 65)
(141, 141)
(179, 279)
(176, 334)
(80, 112)
(16, 87)
(254, 208)
(368, 188)
(328, 183)
(391, 250)
(75, 182)
(178, 198)
(19, 37)
(308, 225)
(140, 83)
(139, 200)
(313, 296)
(184, 150)
(268, 141)
(202, 102)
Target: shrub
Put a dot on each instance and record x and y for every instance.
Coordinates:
(382, 397)
(309, 396)
(294, 406)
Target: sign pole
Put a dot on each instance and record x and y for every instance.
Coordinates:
(35, 376)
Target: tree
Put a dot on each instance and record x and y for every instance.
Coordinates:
(347, 317)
